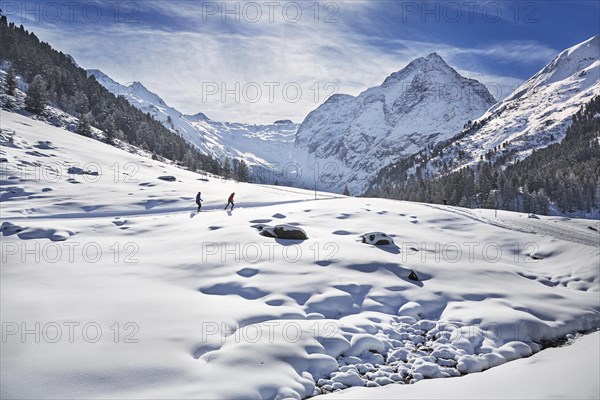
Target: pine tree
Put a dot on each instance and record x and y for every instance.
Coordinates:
(346, 191)
(226, 171)
(242, 172)
(490, 201)
(11, 82)
(83, 127)
(110, 129)
(110, 137)
(81, 104)
(37, 97)
(188, 160)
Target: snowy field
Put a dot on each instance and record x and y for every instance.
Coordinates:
(113, 287)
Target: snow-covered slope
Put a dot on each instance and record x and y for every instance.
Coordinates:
(538, 113)
(263, 147)
(134, 295)
(422, 104)
(266, 148)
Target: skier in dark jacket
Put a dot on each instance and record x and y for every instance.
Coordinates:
(199, 201)
(230, 201)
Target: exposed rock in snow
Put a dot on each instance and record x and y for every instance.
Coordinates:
(362, 343)
(376, 238)
(284, 231)
(167, 178)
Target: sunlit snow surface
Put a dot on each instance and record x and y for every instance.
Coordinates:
(202, 306)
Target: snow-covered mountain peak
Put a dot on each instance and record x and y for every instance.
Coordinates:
(197, 117)
(139, 85)
(423, 65)
(144, 94)
(419, 105)
(135, 92)
(262, 147)
(435, 61)
(102, 78)
(435, 56)
(580, 62)
(588, 47)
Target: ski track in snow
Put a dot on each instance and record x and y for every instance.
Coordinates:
(158, 212)
(529, 225)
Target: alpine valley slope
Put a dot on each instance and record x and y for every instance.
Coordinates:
(262, 147)
(166, 303)
(420, 105)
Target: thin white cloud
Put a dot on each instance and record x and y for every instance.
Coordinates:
(523, 52)
(182, 66)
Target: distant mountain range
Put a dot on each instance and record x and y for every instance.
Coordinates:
(261, 146)
(348, 140)
(344, 141)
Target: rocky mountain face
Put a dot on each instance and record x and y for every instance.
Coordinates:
(418, 106)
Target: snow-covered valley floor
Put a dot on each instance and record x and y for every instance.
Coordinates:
(113, 287)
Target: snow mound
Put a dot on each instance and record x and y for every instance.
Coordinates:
(29, 233)
(363, 343)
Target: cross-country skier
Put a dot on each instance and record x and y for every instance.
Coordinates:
(199, 201)
(230, 201)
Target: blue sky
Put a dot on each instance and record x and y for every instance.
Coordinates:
(261, 61)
